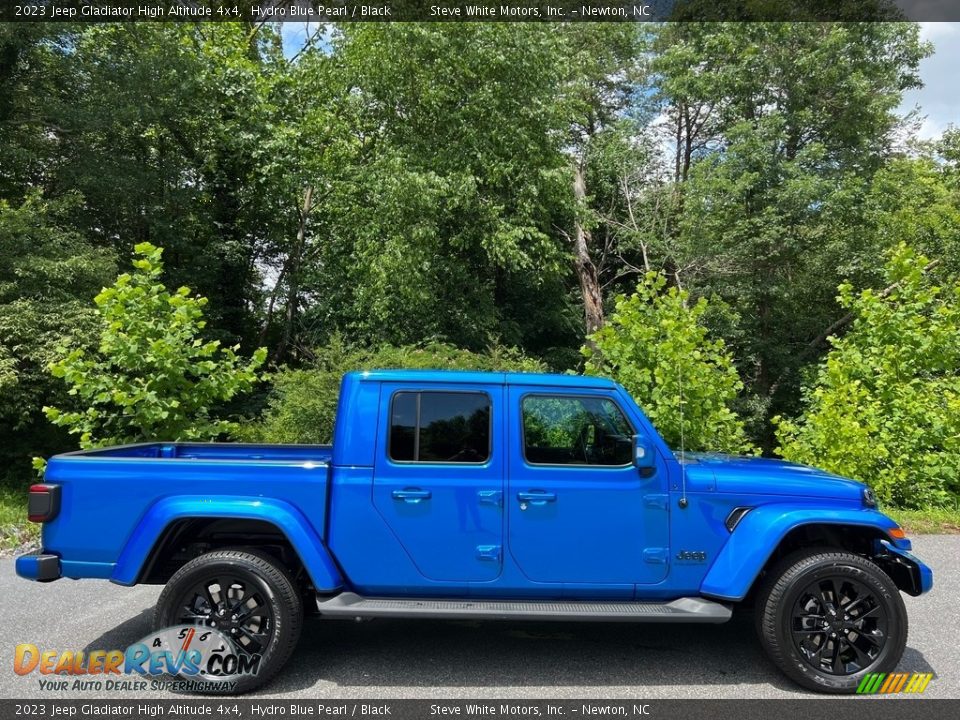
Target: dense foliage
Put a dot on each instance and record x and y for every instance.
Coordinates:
(884, 406)
(151, 376)
(657, 346)
(396, 193)
(48, 276)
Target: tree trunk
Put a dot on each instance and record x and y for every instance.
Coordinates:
(585, 267)
(293, 282)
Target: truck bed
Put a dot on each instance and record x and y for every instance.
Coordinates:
(213, 451)
(116, 501)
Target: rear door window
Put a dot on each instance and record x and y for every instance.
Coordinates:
(440, 427)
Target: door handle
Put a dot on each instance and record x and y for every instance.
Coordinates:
(411, 495)
(536, 497)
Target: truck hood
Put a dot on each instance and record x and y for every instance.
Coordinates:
(768, 476)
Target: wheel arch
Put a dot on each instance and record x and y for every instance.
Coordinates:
(174, 528)
(767, 533)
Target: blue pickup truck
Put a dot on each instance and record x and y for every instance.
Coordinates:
(492, 496)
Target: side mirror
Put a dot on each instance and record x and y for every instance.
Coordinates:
(644, 456)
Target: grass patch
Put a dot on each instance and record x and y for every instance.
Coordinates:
(930, 521)
(15, 531)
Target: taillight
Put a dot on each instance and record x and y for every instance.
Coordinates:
(43, 503)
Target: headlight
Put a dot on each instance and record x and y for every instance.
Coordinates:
(869, 499)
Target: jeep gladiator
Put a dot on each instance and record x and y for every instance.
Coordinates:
(493, 496)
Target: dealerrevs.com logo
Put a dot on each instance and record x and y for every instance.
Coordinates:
(200, 658)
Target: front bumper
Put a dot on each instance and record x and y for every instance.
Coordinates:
(907, 570)
(38, 566)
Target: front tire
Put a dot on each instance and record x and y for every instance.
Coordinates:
(246, 595)
(826, 619)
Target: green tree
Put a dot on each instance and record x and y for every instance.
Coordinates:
(165, 131)
(30, 75)
(395, 203)
(657, 345)
(772, 122)
(439, 227)
(47, 275)
(883, 406)
(303, 403)
(152, 377)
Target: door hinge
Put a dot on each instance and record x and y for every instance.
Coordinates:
(655, 556)
(490, 497)
(488, 552)
(656, 501)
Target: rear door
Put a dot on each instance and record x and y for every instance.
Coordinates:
(439, 477)
(578, 510)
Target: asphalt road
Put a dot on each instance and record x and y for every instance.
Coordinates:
(429, 659)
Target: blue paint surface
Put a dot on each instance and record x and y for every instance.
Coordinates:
(502, 526)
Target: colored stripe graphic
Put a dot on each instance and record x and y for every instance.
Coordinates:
(884, 684)
(891, 680)
(870, 683)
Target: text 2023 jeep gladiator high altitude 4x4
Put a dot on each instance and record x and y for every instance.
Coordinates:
(485, 495)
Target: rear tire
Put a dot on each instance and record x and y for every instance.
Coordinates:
(249, 597)
(827, 618)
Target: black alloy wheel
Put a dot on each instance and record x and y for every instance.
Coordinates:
(839, 626)
(249, 597)
(235, 605)
(827, 618)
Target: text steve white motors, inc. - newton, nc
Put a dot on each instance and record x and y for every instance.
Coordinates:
(591, 12)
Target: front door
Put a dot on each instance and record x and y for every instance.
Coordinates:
(578, 510)
(439, 477)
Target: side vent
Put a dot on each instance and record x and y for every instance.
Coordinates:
(735, 516)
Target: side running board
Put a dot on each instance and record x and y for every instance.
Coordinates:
(689, 609)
